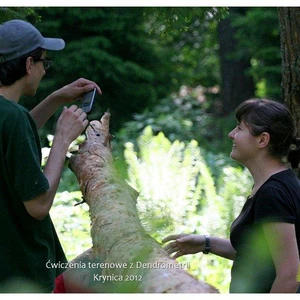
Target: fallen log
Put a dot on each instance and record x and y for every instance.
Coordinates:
(129, 260)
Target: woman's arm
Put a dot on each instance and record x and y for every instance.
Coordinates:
(282, 243)
(184, 244)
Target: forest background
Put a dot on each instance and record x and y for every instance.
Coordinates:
(171, 78)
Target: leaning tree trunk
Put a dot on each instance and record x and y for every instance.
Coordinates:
(289, 20)
(131, 260)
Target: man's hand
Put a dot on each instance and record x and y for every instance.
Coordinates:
(75, 90)
(67, 94)
(70, 124)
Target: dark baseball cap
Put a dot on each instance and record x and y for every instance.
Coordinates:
(18, 37)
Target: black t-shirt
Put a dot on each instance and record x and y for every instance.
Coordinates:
(277, 200)
(26, 244)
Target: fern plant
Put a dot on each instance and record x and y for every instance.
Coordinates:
(166, 175)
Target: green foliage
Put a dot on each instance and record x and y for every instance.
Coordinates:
(188, 115)
(193, 49)
(24, 13)
(72, 223)
(178, 193)
(258, 34)
(170, 20)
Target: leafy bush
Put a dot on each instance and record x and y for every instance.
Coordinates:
(72, 223)
(191, 114)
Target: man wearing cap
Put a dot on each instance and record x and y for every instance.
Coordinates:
(29, 247)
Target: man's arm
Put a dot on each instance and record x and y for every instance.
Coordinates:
(69, 126)
(67, 94)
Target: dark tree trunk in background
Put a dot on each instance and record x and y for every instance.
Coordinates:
(236, 85)
(289, 20)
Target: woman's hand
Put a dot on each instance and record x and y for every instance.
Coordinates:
(184, 244)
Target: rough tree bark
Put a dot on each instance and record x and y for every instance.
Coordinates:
(289, 20)
(117, 234)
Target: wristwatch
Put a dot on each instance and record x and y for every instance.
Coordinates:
(207, 245)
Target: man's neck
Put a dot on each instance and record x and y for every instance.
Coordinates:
(12, 92)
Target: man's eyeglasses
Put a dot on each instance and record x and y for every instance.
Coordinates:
(46, 62)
